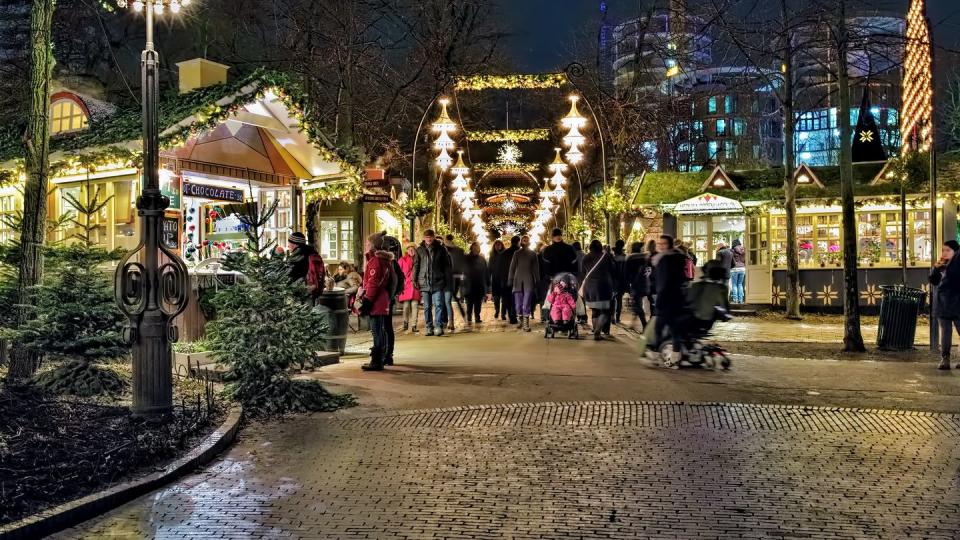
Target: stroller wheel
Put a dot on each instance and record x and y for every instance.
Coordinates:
(709, 361)
(724, 362)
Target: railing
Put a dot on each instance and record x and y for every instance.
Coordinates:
(228, 171)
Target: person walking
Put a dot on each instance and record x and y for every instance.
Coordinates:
(636, 277)
(476, 283)
(559, 257)
(454, 290)
(410, 297)
(738, 273)
(578, 249)
(670, 275)
(432, 274)
(497, 290)
(652, 259)
(596, 285)
(379, 282)
(501, 276)
(523, 276)
(619, 279)
(945, 276)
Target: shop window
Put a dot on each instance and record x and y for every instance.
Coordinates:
(868, 237)
(805, 240)
(695, 233)
(280, 224)
(920, 237)
(757, 241)
(892, 238)
(712, 105)
(66, 116)
(828, 247)
(336, 240)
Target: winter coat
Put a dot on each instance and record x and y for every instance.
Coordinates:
(739, 257)
(725, 256)
(500, 269)
(597, 280)
(410, 293)
(458, 260)
(561, 299)
(524, 271)
(299, 260)
(350, 283)
(619, 278)
(476, 280)
(671, 282)
(378, 281)
(704, 296)
(947, 281)
(635, 275)
(559, 257)
(432, 270)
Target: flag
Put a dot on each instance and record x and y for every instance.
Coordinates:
(866, 138)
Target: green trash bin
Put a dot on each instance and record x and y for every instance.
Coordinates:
(899, 308)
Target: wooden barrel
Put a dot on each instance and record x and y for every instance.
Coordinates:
(336, 337)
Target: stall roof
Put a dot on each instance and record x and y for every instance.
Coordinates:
(767, 184)
(183, 116)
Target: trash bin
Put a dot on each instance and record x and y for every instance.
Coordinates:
(336, 337)
(899, 308)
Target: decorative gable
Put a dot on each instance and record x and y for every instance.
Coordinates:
(719, 180)
(804, 176)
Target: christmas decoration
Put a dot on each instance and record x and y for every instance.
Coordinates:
(917, 92)
(509, 135)
(510, 82)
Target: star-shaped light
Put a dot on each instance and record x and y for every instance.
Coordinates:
(866, 136)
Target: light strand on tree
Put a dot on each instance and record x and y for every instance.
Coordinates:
(916, 121)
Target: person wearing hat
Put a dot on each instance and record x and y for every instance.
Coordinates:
(945, 276)
(379, 282)
(298, 256)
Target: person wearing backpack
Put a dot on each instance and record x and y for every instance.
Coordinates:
(302, 259)
(379, 283)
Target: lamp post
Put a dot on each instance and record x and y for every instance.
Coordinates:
(573, 71)
(151, 280)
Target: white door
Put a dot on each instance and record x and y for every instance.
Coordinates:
(759, 280)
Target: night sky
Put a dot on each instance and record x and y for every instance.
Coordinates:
(545, 32)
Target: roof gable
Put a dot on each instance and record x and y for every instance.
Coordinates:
(804, 176)
(719, 180)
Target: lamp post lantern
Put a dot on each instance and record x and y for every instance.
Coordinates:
(151, 280)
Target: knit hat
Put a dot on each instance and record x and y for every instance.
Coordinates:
(298, 238)
(376, 240)
(952, 244)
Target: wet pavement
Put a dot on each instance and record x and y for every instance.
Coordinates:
(503, 434)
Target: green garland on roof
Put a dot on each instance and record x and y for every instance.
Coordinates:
(509, 135)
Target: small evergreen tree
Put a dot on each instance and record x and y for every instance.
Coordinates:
(77, 319)
(265, 326)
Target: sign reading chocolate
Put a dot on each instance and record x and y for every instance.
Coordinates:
(212, 192)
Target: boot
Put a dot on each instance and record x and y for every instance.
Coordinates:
(406, 326)
(526, 324)
(376, 360)
(945, 363)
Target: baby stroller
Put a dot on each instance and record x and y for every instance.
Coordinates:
(707, 303)
(570, 327)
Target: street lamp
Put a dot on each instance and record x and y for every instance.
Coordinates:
(151, 280)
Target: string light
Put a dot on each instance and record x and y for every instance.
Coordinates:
(444, 142)
(444, 161)
(574, 156)
(916, 121)
(460, 169)
(557, 166)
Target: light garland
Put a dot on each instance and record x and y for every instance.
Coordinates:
(509, 135)
(510, 82)
(917, 90)
(513, 167)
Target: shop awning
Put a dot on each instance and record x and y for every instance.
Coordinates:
(708, 203)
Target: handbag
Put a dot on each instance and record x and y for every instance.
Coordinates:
(587, 277)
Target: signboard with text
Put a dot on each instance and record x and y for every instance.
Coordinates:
(376, 198)
(708, 203)
(216, 193)
(170, 232)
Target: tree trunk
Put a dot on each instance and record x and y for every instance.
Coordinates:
(852, 339)
(36, 146)
(789, 182)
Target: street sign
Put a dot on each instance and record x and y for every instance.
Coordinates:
(376, 198)
(374, 183)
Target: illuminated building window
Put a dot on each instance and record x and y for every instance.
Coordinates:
(67, 115)
(712, 149)
(712, 105)
(729, 104)
(739, 127)
(721, 128)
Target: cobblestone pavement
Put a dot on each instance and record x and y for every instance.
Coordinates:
(575, 470)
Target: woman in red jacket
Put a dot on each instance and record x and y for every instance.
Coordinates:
(379, 282)
(410, 297)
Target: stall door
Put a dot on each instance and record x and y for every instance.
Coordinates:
(759, 277)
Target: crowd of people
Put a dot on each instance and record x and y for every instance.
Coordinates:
(439, 279)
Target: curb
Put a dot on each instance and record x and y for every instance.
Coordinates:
(77, 511)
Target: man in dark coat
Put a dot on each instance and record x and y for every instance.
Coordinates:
(671, 292)
(454, 289)
(500, 271)
(559, 256)
(432, 274)
(298, 256)
(636, 279)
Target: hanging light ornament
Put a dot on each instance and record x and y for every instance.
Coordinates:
(444, 142)
(574, 156)
(444, 161)
(557, 166)
(574, 139)
(546, 203)
(574, 119)
(558, 180)
(444, 123)
(459, 182)
(460, 169)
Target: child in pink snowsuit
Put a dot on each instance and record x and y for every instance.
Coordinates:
(562, 303)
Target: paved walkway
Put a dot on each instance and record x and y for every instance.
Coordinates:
(580, 439)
